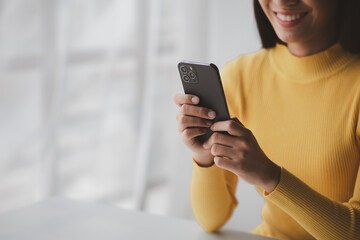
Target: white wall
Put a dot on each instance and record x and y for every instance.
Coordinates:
(232, 30)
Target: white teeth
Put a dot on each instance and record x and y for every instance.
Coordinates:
(289, 18)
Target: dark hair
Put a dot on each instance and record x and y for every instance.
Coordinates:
(349, 26)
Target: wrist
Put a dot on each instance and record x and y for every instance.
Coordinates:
(203, 160)
(272, 179)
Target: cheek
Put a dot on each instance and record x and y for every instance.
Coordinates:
(264, 5)
(268, 13)
(321, 20)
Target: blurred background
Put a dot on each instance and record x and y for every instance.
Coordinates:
(86, 109)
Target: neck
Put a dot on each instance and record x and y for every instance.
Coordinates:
(311, 46)
(301, 50)
(307, 69)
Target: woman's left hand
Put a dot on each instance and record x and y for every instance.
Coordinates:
(240, 153)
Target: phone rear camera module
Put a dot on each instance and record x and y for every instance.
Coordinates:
(183, 69)
(192, 75)
(186, 78)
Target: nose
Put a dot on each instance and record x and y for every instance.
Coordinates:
(286, 2)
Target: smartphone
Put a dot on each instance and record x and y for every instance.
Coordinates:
(203, 80)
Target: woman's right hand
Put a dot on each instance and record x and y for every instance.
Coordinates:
(194, 121)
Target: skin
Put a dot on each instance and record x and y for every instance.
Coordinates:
(239, 152)
(315, 33)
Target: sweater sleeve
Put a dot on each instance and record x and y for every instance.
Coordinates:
(322, 217)
(212, 196)
(212, 192)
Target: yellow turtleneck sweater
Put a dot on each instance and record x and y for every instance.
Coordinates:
(304, 113)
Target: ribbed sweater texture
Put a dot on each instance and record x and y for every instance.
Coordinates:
(304, 113)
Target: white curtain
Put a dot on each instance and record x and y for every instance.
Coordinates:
(86, 98)
(86, 90)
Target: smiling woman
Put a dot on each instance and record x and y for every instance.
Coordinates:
(307, 27)
(295, 131)
(329, 21)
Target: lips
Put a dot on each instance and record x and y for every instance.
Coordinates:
(289, 19)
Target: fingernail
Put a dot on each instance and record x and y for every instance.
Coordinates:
(211, 114)
(195, 100)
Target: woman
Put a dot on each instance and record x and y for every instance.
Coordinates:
(296, 127)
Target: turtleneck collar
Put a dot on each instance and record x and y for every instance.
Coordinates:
(310, 68)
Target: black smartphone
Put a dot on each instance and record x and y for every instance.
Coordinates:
(203, 80)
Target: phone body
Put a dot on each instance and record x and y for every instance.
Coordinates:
(203, 80)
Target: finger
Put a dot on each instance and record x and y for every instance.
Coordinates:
(197, 111)
(181, 99)
(190, 133)
(224, 163)
(237, 120)
(188, 121)
(232, 127)
(221, 151)
(220, 138)
(239, 143)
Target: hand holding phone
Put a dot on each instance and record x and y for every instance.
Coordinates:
(203, 80)
(202, 104)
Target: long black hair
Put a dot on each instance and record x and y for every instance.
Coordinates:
(348, 27)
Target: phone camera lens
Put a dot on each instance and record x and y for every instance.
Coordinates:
(186, 78)
(192, 75)
(183, 69)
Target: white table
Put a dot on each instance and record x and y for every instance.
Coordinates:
(69, 220)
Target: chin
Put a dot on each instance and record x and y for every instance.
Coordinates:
(288, 37)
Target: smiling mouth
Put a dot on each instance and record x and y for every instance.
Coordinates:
(290, 17)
